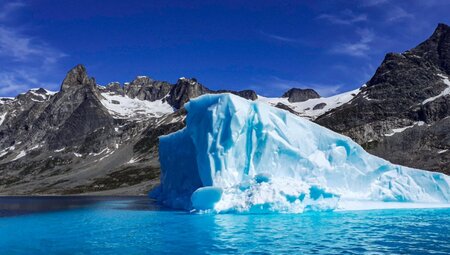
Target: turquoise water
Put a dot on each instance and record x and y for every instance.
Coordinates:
(134, 225)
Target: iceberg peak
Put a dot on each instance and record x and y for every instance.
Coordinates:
(236, 155)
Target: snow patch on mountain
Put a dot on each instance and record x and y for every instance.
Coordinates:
(445, 92)
(129, 108)
(399, 130)
(2, 118)
(20, 155)
(308, 108)
(48, 92)
(4, 152)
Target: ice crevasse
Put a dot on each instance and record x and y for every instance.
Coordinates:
(236, 155)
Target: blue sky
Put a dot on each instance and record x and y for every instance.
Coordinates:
(268, 46)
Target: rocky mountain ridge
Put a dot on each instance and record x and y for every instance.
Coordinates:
(403, 113)
(90, 138)
(94, 139)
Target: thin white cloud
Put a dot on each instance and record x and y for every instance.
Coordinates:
(282, 38)
(370, 3)
(9, 8)
(10, 84)
(431, 3)
(361, 48)
(26, 60)
(347, 17)
(13, 82)
(396, 13)
(23, 49)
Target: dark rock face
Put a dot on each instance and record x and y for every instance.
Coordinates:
(295, 95)
(319, 106)
(144, 88)
(76, 78)
(184, 90)
(437, 48)
(64, 119)
(247, 94)
(286, 108)
(397, 96)
(427, 147)
(114, 87)
(76, 112)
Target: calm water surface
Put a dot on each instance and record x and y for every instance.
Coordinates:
(135, 225)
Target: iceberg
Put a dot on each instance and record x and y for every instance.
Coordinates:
(236, 155)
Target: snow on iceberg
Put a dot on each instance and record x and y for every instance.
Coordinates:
(236, 155)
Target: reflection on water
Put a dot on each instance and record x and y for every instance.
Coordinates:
(20, 205)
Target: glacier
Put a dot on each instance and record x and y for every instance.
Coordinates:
(236, 155)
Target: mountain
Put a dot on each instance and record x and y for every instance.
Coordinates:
(88, 138)
(295, 95)
(94, 139)
(402, 114)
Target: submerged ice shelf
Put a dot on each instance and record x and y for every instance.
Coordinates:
(236, 155)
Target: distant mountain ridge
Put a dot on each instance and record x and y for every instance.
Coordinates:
(95, 139)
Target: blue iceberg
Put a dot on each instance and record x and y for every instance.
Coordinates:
(236, 155)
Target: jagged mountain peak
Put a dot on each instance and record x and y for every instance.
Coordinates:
(407, 91)
(429, 58)
(142, 80)
(295, 95)
(77, 77)
(188, 82)
(436, 49)
(113, 84)
(145, 88)
(40, 91)
(192, 79)
(442, 28)
(246, 93)
(440, 35)
(36, 95)
(184, 90)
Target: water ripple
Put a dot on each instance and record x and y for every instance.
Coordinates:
(134, 226)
